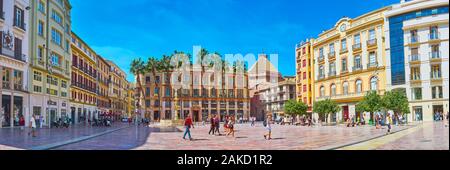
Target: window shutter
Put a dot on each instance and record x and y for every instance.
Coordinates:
(22, 20)
(15, 16)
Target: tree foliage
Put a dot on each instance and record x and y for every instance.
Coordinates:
(294, 108)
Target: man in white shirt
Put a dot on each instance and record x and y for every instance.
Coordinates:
(33, 126)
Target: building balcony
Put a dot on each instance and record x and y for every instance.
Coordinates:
(349, 95)
(415, 78)
(321, 76)
(434, 36)
(344, 50)
(356, 47)
(372, 43)
(372, 65)
(321, 59)
(22, 26)
(413, 40)
(6, 85)
(435, 56)
(435, 75)
(414, 58)
(331, 55)
(331, 73)
(18, 87)
(357, 68)
(17, 56)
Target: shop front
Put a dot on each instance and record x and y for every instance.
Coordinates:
(12, 112)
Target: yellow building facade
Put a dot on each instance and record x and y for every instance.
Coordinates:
(305, 74)
(117, 91)
(103, 102)
(83, 81)
(350, 61)
(50, 54)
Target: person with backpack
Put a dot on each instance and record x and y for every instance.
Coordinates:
(188, 124)
(268, 124)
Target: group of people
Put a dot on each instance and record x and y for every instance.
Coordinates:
(228, 125)
(354, 121)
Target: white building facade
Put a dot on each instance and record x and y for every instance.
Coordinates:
(417, 54)
(14, 63)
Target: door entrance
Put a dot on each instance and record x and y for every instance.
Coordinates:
(345, 113)
(438, 114)
(52, 116)
(156, 116)
(196, 116)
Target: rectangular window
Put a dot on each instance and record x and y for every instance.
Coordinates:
(19, 18)
(415, 73)
(41, 7)
(56, 37)
(435, 52)
(416, 93)
(40, 54)
(56, 17)
(37, 76)
(357, 39)
(372, 34)
(358, 65)
(55, 59)
(344, 65)
(321, 54)
(37, 89)
(63, 84)
(344, 45)
(331, 48)
(372, 59)
(41, 28)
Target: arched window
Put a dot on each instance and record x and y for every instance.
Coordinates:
(345, 88)
(374, 83)
(358, 86)
(322, 91)
(333, 90)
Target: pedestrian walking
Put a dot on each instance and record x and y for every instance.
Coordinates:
(217, 124)
(32, 126)
(231, 124)
(188, 125)
(213, 126)
(253, 121)
(388, 122)
(225, 125)
(268, 124)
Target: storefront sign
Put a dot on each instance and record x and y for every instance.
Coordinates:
(53, 103)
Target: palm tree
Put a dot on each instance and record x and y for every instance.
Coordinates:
(166, 68)
(152, 67)
(138, 69)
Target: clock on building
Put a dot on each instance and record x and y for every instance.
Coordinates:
(343, 27)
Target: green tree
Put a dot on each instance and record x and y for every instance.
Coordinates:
(397, 102)
(153, 66)
(326, 107)
(294, 108)
(138, 69)
(371, 103)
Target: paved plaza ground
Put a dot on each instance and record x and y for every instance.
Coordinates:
(422, 136)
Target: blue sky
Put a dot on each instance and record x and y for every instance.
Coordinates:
(141, 28)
